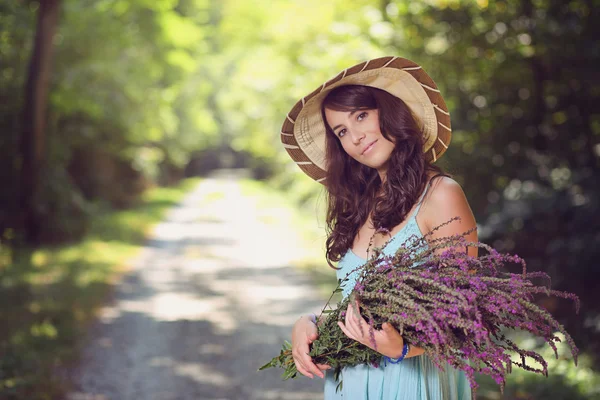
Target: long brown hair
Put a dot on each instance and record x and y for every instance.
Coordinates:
(355, 190)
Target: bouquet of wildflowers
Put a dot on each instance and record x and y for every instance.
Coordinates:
(455, 306)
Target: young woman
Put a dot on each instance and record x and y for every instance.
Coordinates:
(370, 135)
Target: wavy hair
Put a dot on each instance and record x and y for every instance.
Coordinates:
(355, 190)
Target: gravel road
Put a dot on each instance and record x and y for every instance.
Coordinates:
(210, 299)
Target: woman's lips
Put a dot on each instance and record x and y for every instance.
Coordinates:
(368, 148)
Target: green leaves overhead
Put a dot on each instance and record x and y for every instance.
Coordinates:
(147, 84)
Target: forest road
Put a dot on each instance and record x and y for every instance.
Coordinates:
(210, 299)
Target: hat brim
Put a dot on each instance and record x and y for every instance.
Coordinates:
(303, 131)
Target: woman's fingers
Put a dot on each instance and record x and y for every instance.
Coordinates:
(386, 340)
(350, 321)
(305, 369)
(388, 329)
(303, 334)
(323, 367)
(391, 332)
(311, 367)
(302, 370)
(354, 322)
(298, 355)
(305, 366)
(306, 361)
(357, 328)
(346, 331)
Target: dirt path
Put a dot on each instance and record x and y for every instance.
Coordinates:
(209, 300)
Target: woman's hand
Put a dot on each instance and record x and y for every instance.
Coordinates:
(388, 340)
(304, 333)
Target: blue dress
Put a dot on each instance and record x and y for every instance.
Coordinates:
(415, 378)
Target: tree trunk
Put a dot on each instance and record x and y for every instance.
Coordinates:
(34, 116)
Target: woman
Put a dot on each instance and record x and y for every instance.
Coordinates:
(370, 135)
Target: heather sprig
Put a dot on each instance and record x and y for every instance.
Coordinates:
(453, 305)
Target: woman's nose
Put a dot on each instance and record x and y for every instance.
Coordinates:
(357, 136)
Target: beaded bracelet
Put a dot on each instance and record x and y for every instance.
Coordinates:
(405, 349)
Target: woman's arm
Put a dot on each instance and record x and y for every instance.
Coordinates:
(444, 201)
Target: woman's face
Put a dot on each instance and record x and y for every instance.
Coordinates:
(360, 135)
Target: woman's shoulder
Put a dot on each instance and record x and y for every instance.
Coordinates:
(443, 188)
(444, 200)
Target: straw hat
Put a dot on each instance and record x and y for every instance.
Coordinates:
(303, 131)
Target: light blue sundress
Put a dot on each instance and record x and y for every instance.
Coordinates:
(415, 378)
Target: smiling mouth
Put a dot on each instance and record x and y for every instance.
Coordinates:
(369, 147)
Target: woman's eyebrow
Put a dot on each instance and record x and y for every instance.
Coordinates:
(339, 125)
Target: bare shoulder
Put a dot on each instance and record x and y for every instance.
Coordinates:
(445, 200)
(445, 192)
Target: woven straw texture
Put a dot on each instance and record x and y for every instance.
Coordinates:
(303, 131)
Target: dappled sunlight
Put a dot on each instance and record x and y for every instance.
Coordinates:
(208, 301)
(277, 394)
(132, 96)
(173, 307)
(196, 371)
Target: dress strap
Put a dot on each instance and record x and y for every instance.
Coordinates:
(420, 202)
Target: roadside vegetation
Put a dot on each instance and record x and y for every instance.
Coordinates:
(50, 294)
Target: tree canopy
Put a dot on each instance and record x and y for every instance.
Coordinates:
(140, 90)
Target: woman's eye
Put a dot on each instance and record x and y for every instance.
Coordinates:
(361, 116)
(342, 132)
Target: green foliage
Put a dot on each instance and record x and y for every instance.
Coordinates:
(148, 84)
(565, 381)
(48, 296)
(519, 81)
(125, 93)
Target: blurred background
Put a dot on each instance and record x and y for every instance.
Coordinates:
(107, 106)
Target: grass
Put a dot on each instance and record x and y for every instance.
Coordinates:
(47, 299)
